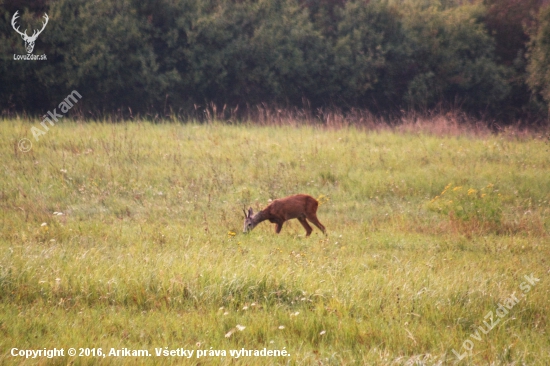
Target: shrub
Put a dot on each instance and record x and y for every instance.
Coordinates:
(539, 57)
(370, 56)
(254, 52)
(509, 22)
(478, 207)
(453, 59)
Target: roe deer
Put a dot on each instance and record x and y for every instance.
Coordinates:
(300, 206)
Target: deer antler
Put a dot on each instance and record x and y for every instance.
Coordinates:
(35, 34)
(29, 41)
(13, 19)
(25, 35)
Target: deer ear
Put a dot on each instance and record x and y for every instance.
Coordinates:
(250, 212)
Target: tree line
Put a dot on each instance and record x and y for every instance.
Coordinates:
(486, 57)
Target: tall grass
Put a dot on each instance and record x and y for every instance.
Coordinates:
(122, 235)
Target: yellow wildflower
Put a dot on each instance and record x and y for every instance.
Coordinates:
(322, 199)
(457, 189)
(471, 191)
(446, 188)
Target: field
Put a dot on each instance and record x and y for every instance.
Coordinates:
(129, 236)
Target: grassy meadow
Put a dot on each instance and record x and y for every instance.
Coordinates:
(129, 235)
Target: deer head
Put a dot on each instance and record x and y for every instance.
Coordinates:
(29, 41)
(249, 223)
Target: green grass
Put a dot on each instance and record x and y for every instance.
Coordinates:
(143, 255)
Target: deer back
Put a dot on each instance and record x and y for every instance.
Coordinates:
(291, 207)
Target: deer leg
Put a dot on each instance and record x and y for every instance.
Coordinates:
(305, 225)
(315, 221)
(278, 227)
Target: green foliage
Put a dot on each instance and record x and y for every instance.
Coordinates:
(453, 60)
(509, 22)
(253, 52)
(481, 207)
(104, 53)
(370, 55)
(539, 57)
(157, 56)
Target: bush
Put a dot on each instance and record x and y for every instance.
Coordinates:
(477, 207)
(370, 56)
(385, 56)
(453, 60)
(539, 58)
(508, 22)
(253, 52)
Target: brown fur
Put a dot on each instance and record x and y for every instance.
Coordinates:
(300, 206)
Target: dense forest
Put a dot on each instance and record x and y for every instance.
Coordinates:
(489, 58)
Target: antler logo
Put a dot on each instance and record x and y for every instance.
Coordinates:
(29, 41)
